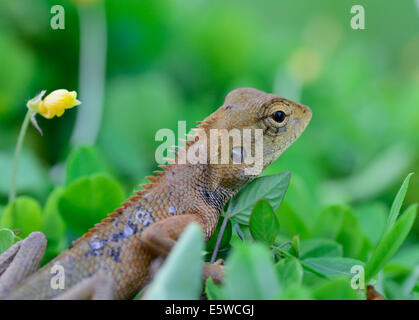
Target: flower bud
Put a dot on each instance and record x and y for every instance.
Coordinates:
(53, 104)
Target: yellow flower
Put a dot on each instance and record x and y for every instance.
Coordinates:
(53, 104)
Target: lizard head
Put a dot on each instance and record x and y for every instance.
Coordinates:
(281, 121)
(274, 123)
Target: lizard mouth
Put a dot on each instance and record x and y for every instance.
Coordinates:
(304, 117)
(305, 110)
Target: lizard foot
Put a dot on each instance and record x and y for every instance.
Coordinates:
(20, 260)
(214, 271)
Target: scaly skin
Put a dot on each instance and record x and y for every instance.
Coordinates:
(125, 243)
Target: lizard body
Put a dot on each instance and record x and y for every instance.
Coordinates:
(123, 246)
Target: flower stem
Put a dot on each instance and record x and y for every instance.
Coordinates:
(23, 129)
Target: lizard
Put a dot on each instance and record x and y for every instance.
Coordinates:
(114, 259)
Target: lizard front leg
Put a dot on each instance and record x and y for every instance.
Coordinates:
(161, 237)
(20, 261)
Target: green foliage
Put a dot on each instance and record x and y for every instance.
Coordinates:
(213, 291)
(390, 242)
(318, 247)
(225, 241)
(264, 224)
(372, 219)
(270, 188)
(330, 267)
(83, 161)
(290, 273)
(88, 200)
(291, 222)
(339, 223)
(336, 289)
(251, 274)
(397, 203)
(52, 224)
(6, 239)
(180, 277)
(23, 213)
(31, 177)
(319, 267)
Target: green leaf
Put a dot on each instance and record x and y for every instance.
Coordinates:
(213, 291)
(319, 247)
(290, 273)
(390, 243)
(350, 234)
(329, 267)
(264, 224)
(301, 199)
(270, 188)
(181, 275)
(52, 223)
(408, 256)
(336, 289)
(329, 222)
(83, 161)
(6, 239)
(295, 292)
(296, 244)
(88, 200)
(397, 203)
(394, 291)
(251, 274)
(225, 241)
(291, 222)
(372, 219)
(338, 222)
(24, 213)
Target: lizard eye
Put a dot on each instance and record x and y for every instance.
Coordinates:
(279, 116)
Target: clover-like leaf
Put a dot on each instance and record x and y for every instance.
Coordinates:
(6, 239)
(88, 200)
(270, 188)
(83, 161)
(23, 213)
(251, 274)
(180, 276)
(264, 224)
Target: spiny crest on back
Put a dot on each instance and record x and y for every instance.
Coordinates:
(205, 124)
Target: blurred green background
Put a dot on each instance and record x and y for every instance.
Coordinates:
(176, 60)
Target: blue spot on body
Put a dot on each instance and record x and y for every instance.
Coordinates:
(146, 222)
(127, 231)
(116, 236)
(96, 247)
(114, 254)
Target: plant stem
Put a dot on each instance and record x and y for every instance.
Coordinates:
(23, 129)
(220, 236)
